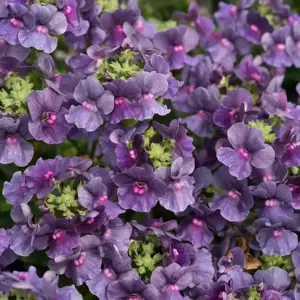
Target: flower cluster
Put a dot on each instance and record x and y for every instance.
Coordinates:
(145, 164)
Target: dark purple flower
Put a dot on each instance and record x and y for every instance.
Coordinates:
(16, 51)
(296, 262)
(182, 143)
(275, 201)
(275, 44)
(196, 228)
(48, 122)
(126, 95)
(255, 26)
(293, 44)
(4, 240)
(131, 288)
(249, 69)
(41, 178)
(179, 192)
(235, 202)
(203, 102)
(276, 172)
(175, 43)
(236, 257)
(83, 264)
(248, 149)
(57, 234)
(94, 104)
(47, 20)
(21, 234)
(16, 191)
(139, 188)
(95, 194)
(153, 86)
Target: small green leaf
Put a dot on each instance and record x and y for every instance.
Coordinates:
(266, 129)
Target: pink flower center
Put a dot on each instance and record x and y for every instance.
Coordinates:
(202, 114)
(2, 42)
(119, 101)
(233, 195)
(277, 233)
(132, 154)
(108, 273)
(23, 276)
(178, 185)
(148, 97)
(42, 29)
(232, 113)
(225, 43)
(178, 49)
(280, 47)
(156, 224)
(90, 221)
(255, 76)
(15, 22)
(48, 175)
(139, 26)
(234, 9)
(271, 203)
(291, 147)
(11, 140)
(292, 188)
(78, 262)
(57, 235)
(107, 234)
(135, 297)
(298, 45)
(139, 188)
(119, 29)
(191, 88)
(68, 10)
(254, 28)
(197, 222)
(89, 105)
(175, 252)
(173, 287)
(268, 177)
(102, 199)
(51, 119)
(291, 20)
(244, 153)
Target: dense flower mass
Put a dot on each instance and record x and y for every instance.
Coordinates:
(143, 159)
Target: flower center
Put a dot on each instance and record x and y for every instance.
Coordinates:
(78, 262)
(102, 199)
(51, 119)
(89, 105)
(139, 188)
(233, 195)
(197, 222)
(178, 49)
(119, 29)
(202, 114)
(234, 10)
(108, 273)
(268, 177)
(68, 10)
(107, 234)
(173, 287)
(11, 140)
(23, 276)
(139, 26)
(277, 233)
(90, 221)
(119, 101)
(15, 22)
(135, 297)
(291, 20)
(225, 43)
(178, 185)
(254, 28)
(2, 42)
(255, 76)
(292, 188)
(271, 203)
(57, 235)
(291, 147)
(132, 154)
(149, 97)
(48, 175)
(42, 29)
(156, 224)
(191, 88)
(244, 153)
(280, 47)
(175, 252)
(232, 113)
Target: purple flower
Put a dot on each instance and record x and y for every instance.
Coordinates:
(48, 123)
(126, 95)
(16, 191)
(203, 103)
(139, 188)
(276, 172)
(131, 288)
(275, 201)
(179, 192)
(153, 86)
(255, 26)
(22, 233)
(83, 264)
(182, 143)
(293, 44)
(248, 149)
(196, 228)
(276, 104)
(235, 202)
(249, 69)
(296, 261)
(95, 194)
(91, 221)
(94, 103)
(4, 240)
(275, 44)
(175, 43)
(236, 258)
(16, 51)
(57, 234)
(46, 20)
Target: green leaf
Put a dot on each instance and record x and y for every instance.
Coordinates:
(266, 129)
